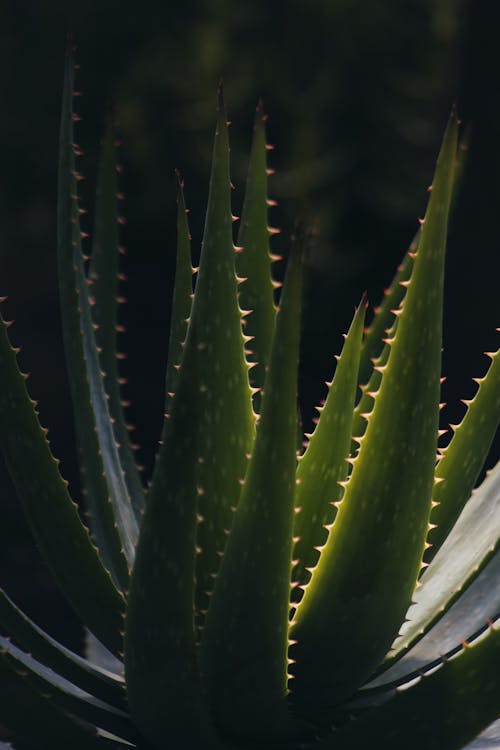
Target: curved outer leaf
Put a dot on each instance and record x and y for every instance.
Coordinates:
(468, 548)
(52, 515)
(114, 523)
(32, 716)
(489, 739)
(66, 696)
(253, 262)
(362, 585)
(104, 277)
(181, 302)
(324, 463)
(196, 477)
(244, 656)
(475, 606)
(463, 458)
(45, 649)
(443, 711)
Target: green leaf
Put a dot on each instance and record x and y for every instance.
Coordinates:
(489, 739)
(475, 606)
(468, 548)
(462, 460)
(244, 654)
(104, 277)
(362, 585)
(64, 695)
(383, 319)
(45, 649)
(324, 463)
(195, 484)
(36, 723)
(442, 711)
(181, 302)
(113, 521)
(253, 262)
(52, 515)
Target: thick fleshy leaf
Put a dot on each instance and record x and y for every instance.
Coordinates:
(462, 460)
(52, 515)
(104, 275)
(181, 302)
(478, 604)
(489, 739)
(64, 695)
(45, 649)
(244, 655)
(442, 711)
(324, 463)
(253, 262)
(113, 521)
(383, 318)
(362, 586)
(195, 484)
(467, 550)
(31, 717)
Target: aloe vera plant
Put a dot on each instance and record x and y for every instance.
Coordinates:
(341, 596)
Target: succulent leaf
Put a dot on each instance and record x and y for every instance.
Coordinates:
(276, 599)
(474, 607)
(113, 521)
(323, 464)
(37, 722)
(244, 657)
(195, 483)
(470, 545)
(383, 318)
(181, 302)
(109, 687)
(443, 711)
(65, 695)
(52, 515)
(462, 460)
(104, 279)
(362, 585)
(252, 263)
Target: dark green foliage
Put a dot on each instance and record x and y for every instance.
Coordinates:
(269, 598)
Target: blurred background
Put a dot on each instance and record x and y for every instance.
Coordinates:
(358, 95)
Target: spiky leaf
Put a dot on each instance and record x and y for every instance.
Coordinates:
(468, 548)
(477, 605)
(52, 515)
(252, 262)
(324, 464)
(362, 585)
(104, 275)
(443, 711)
(181, 302)
(462, 460)
(195, 484)
(45, 649)
(37, 723)
(64, 695)
(113, 521)
(244, 656)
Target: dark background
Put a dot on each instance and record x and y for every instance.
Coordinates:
(358, 96)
